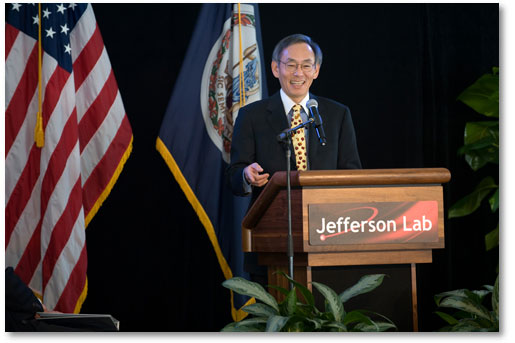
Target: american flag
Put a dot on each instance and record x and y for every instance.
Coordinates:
(53, 192)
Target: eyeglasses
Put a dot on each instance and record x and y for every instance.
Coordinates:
(292, 67)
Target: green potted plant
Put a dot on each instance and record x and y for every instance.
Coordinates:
(471, 314)
(292, 315)
(481, 147)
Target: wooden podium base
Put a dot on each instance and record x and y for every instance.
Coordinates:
(303, 273)
(329, 203)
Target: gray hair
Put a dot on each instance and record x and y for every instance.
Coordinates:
(294, 39)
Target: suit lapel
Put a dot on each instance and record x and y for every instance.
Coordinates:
(277, 119)
(276, 116)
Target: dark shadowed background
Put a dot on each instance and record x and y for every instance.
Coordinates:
(399, 67)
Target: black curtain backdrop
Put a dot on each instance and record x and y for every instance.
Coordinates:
(399, 67)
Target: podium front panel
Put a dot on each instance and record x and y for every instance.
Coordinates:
(407, 237)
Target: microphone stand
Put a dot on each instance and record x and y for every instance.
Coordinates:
(285, 137)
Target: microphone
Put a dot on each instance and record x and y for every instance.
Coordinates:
(312, 104)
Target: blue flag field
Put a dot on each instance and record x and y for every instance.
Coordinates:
(222, 71)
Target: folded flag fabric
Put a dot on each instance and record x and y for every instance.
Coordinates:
(222, 71)
(67, 138)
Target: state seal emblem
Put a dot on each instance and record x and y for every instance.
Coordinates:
(222, 90)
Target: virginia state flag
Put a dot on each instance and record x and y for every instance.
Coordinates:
(222, 71)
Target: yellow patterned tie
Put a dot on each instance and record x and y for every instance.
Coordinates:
(298, 140)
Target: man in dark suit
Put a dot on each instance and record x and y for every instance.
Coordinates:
(22, 307)
(255, 152)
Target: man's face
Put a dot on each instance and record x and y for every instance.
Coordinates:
(296, 83)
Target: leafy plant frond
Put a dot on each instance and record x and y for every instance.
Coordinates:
(494, 201)
(308, 296)
(481, 146)
(456, 292)
(276, 323)
(334, 302)
(483, 95)
(466, 304)
(447, 317)
(256, 324)
(280, 289)
(471, 202)
(495, 300)
(251, 289)
(357, 316)
(291, 302)
(260, 310)
(292, 315)
(378, 327)
(366, 284)
(471, 314)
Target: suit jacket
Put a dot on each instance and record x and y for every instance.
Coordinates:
(259, 123)
(21, 306)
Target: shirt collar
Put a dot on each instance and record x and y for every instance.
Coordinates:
(288, 103)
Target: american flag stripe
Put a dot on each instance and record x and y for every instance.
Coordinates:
(98, 182)
(46, 188)
(61, 233)
(90, 122)
(17, 158)
(24, 141)
(88, 57)
(83, 32)
(76, 284)
(20, 96)
(17, 203)
(10, 37)
(93, 84)
(31, 256)
(68, 227)
(97, 146)
(61, 109)
(17, 55)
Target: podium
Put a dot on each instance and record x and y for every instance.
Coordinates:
(348, 218)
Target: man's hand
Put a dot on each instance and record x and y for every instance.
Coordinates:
(252, 175)
(45, 309)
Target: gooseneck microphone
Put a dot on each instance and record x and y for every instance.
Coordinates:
(312, 104)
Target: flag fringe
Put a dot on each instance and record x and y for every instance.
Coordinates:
(110, 185)
(95, 209)
(82, 297)
(237, 315)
